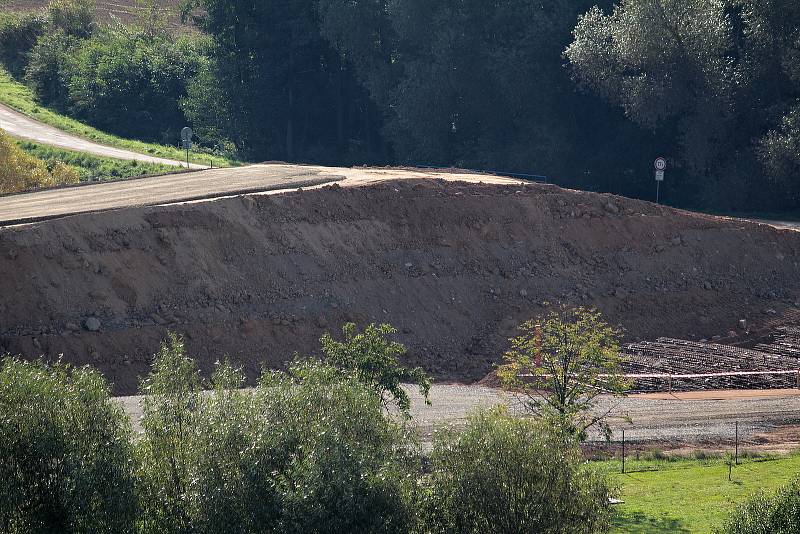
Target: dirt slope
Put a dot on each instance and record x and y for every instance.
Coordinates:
(454, 266)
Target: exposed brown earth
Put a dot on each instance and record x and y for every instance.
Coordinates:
(455, 266)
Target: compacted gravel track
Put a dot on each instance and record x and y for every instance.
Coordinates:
(681, 419)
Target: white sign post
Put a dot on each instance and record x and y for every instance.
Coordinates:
(660, 165)
(186, 139)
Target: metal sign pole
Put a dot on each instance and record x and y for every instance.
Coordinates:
(658, 186)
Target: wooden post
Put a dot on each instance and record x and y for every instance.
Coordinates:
(623, 451)
(736, 446)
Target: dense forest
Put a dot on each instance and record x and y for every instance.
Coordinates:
(585, 94)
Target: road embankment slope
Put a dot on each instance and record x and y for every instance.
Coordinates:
(454, 265)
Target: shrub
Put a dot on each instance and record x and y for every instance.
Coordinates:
(20, 171)
(46, 72)
(505, 474)
(72, 17)
(766, 514)
(18, 35)
(308, 451)
(65, 452)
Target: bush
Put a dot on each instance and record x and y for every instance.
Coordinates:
(130, 83)
(46, 72)
(72, 17)
(20, 171)
(18, 35)
(505, 474)
(765, 514)
(65, 452)
(308, 451)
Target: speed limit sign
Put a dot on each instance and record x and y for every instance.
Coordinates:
(660, 164)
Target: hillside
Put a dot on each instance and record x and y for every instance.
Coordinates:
(108, 10)
(454, 266)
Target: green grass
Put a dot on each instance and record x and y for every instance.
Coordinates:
(20, 97)
(94, 168)
(677, 496)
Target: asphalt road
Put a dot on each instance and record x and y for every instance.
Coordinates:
(677, 420)
(24, 127)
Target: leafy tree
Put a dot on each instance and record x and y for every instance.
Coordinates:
(286, 93)
(309, 450)
(709, 77)
(562, 362)
(18, 35)
(373, 359)
(65, 452)
(767, 514)
(166, 454)
(505, 474)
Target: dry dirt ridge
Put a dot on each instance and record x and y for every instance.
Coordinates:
(455, 266)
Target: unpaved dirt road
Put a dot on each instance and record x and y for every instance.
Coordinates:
(207, 184)
(671, 420)
(24, 127)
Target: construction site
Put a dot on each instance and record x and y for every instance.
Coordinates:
(454, 261)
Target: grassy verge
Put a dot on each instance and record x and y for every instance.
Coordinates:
(691, 495)
(19, 97)
(94, 168)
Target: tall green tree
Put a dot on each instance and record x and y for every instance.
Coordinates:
(285, 89)
(711, 77)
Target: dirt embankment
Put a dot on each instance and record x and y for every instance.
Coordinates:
(454, 266)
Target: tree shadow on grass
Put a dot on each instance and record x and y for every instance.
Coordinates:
(639, 523)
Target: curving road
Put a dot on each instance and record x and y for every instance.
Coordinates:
(190, 186)
(24, 127)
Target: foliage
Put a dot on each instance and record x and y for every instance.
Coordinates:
(562, 362)
(18, 35)
(20, 97)
(286, 92)
(93, 168)
(307, 451)
(20, 171)
(65, 452)
(768, 514)
(373, 359)
(709, 77)
(506, 474)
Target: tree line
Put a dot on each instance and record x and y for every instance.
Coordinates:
(587, 93)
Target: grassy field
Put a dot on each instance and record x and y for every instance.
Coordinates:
(690, 495)
(19, 97)
(94, 168)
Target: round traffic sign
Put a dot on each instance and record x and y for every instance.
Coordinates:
(186, 134)
(660, 164)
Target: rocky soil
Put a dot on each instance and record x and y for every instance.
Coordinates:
(454, 266)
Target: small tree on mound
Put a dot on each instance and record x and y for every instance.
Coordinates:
(562, 362)
(767, 514)
(504, 474)
(20, 171)
(65, 452)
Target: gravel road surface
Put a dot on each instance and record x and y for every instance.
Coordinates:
(24, 127)
(680, 419)
(200, 185)
(181, 187)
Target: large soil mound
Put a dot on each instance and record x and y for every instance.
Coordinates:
(454, 266)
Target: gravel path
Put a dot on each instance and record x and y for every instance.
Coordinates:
(678, 420)
(24, 127)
